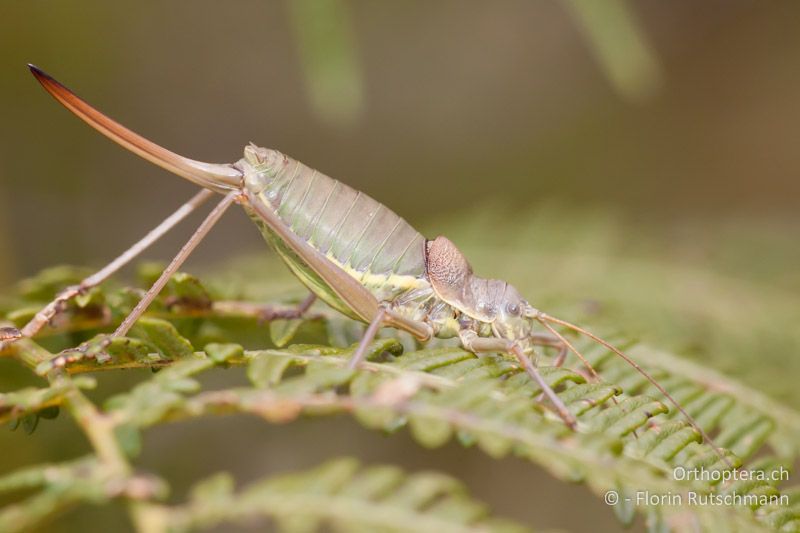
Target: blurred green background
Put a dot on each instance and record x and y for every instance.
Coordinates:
(633, 165)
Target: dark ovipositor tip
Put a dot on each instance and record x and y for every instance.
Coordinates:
(40, 75)
(36, 71)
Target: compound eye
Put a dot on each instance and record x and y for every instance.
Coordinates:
(512, 309)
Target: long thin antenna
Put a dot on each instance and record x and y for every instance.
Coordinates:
(580, 356)
(544, 318)
(572, 348)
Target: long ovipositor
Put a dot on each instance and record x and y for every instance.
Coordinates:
(359, 256)
(350, 250)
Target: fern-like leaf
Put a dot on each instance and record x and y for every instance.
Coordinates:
(629, 440)
(341, 495)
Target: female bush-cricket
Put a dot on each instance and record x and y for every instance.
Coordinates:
(349, 250)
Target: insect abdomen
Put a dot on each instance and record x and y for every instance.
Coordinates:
(350, 227)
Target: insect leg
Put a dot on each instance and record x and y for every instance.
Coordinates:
(266, 312)
(50, 310)
(544, 319)
(568, 345)
(355, 295)
(176, 262)
(548, 339)
(477, 344)
(305, 305)
(369, 335)
(421, 330)
(387, 317)
(572, 348)
(297, 311)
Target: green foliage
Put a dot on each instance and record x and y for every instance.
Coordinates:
(628, 440)
(326, 43)
(620, 45)
(340, 494)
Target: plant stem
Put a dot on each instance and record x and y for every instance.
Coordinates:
(96, 425)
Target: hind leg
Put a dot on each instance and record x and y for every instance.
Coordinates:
(47, 314)
(98, 349)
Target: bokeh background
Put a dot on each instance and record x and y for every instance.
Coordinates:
(633, 164)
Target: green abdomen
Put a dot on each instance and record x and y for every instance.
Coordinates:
(363, 237)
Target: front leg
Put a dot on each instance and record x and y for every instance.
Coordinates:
(475, 344)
